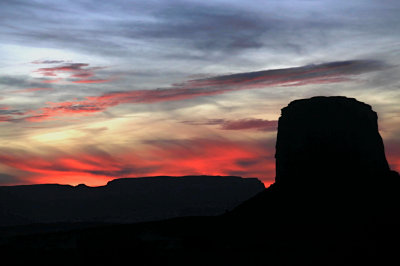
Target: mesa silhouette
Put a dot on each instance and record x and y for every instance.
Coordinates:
(335, 202)
(125, 200)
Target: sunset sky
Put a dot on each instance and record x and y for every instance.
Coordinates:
(97, 90)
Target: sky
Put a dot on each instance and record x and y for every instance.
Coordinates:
(97, 90)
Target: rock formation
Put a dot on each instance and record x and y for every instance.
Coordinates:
(328, 140)
(330, 165)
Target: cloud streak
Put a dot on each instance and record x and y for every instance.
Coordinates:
(68, 72)
(32, 90)
(47, 62)
(243, 124)
(298, 76)
(239, 124)
(9, 115)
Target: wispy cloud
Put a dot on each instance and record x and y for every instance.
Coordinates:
(32, 90)
(6, 118)
(332, 72)
(9, 115)
(69, 72)
(88, 81)
(258, 124)
(47, 61)
(239, 124)
(311, 74)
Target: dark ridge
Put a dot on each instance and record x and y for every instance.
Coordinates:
(198, 178)
(125, 200)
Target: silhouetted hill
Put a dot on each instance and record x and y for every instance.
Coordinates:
(125, 200)
(335, 202)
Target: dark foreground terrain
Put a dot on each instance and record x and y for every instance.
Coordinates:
(335, 202)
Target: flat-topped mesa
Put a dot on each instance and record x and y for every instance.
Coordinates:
(327, 140)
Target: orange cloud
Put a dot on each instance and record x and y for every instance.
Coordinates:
(51, 80)
(215, 157)
(160, 157)
(32, 90)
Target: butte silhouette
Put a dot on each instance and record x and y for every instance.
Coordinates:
(330, 162)
(335, 202)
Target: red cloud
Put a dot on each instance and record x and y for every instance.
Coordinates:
(65, 169)
(63, 109)
(100, 103)
(394, 163)
(392, 150)
(162, 157)
(76, 72)
(215, 157)
(6, 118)
(71, 67)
